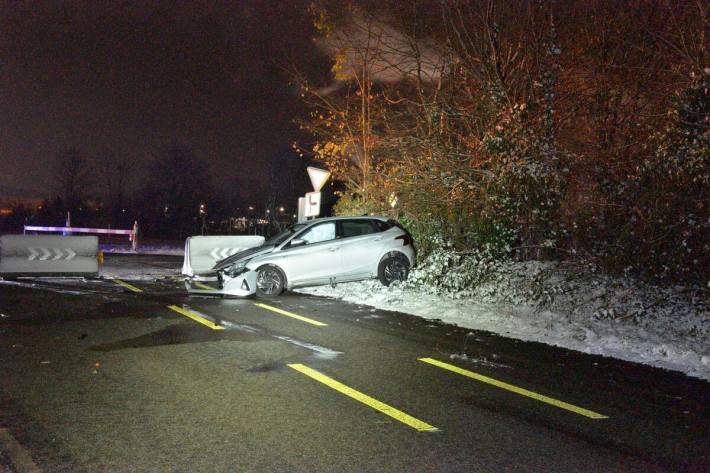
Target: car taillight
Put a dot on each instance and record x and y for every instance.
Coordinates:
(406, 239)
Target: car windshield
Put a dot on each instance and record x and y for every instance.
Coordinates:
(285, 234)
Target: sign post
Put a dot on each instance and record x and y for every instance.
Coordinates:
(301, 209)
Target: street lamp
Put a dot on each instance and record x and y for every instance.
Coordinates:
(203, 214)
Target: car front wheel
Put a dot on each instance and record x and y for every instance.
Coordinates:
(393, 268)
(270, 281)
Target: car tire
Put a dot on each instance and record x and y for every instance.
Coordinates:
(393, 267)
(270, 281)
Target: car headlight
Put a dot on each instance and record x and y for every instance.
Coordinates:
(237, 269)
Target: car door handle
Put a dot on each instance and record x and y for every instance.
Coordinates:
(377, 239)
(335, 248)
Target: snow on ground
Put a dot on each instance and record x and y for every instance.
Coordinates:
(148, 249)
(142, 272)
(149, 264)
(604, 316)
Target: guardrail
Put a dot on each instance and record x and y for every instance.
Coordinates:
(49, 255)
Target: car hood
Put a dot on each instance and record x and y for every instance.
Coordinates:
(242, 255)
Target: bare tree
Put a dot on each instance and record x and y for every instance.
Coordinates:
(72, 176)
(116, 174)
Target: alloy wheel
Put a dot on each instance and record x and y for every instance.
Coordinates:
(269, 281)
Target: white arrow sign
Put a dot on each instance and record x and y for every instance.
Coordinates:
(318, 177)
(53, 254)
(221, 253)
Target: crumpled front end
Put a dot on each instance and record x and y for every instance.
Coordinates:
(241, 285)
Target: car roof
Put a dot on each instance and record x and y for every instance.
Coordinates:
(360, 217)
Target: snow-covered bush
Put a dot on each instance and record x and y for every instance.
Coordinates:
(456, 273)
(528, 185)
(664, 231)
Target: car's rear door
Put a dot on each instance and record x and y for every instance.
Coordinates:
(360, 248)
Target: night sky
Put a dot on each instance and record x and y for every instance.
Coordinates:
(138, 77)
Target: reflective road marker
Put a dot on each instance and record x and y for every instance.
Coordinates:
(196, 317)
(365, 399)
(126, 285)
(291, 314)
(523, 392)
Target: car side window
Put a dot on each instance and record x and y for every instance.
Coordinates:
(351, 228)
(382, 226)
(319, 233)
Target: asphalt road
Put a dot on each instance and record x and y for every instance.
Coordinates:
(96, 376)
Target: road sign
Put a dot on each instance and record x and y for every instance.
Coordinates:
(318, 177)
(312, 204)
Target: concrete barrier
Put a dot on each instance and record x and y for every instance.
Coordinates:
(202, 252)
(48, 255)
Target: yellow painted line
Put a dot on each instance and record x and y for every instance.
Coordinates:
(365, 399)
(291, 314)
(202, 286)
(130, 287)
(196, 317)
(515, 389)
(19, 456)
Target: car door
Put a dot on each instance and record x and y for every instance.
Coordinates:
(361, 245)
(316, 261)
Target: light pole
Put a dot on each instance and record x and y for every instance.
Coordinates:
(203, 214)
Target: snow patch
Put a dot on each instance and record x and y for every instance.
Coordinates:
(617, 317)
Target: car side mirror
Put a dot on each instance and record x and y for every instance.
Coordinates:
(297, 242)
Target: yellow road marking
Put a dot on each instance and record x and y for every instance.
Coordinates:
(291, 314)
(195, 317)
(202, 286)
(19, 456)
(515, 389)
(127, 286)
(365, 399)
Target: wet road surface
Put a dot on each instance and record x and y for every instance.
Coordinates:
(100, 376)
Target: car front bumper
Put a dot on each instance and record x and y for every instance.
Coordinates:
(243, 285)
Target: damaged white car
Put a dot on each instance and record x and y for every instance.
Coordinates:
(317, 252)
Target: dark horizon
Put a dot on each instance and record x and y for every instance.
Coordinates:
(134, 79)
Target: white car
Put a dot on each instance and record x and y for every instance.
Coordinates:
(317, 252)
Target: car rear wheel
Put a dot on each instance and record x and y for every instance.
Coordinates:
(393, 268)
(270, 281)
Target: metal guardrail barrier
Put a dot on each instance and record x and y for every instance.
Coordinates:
(49, 255)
